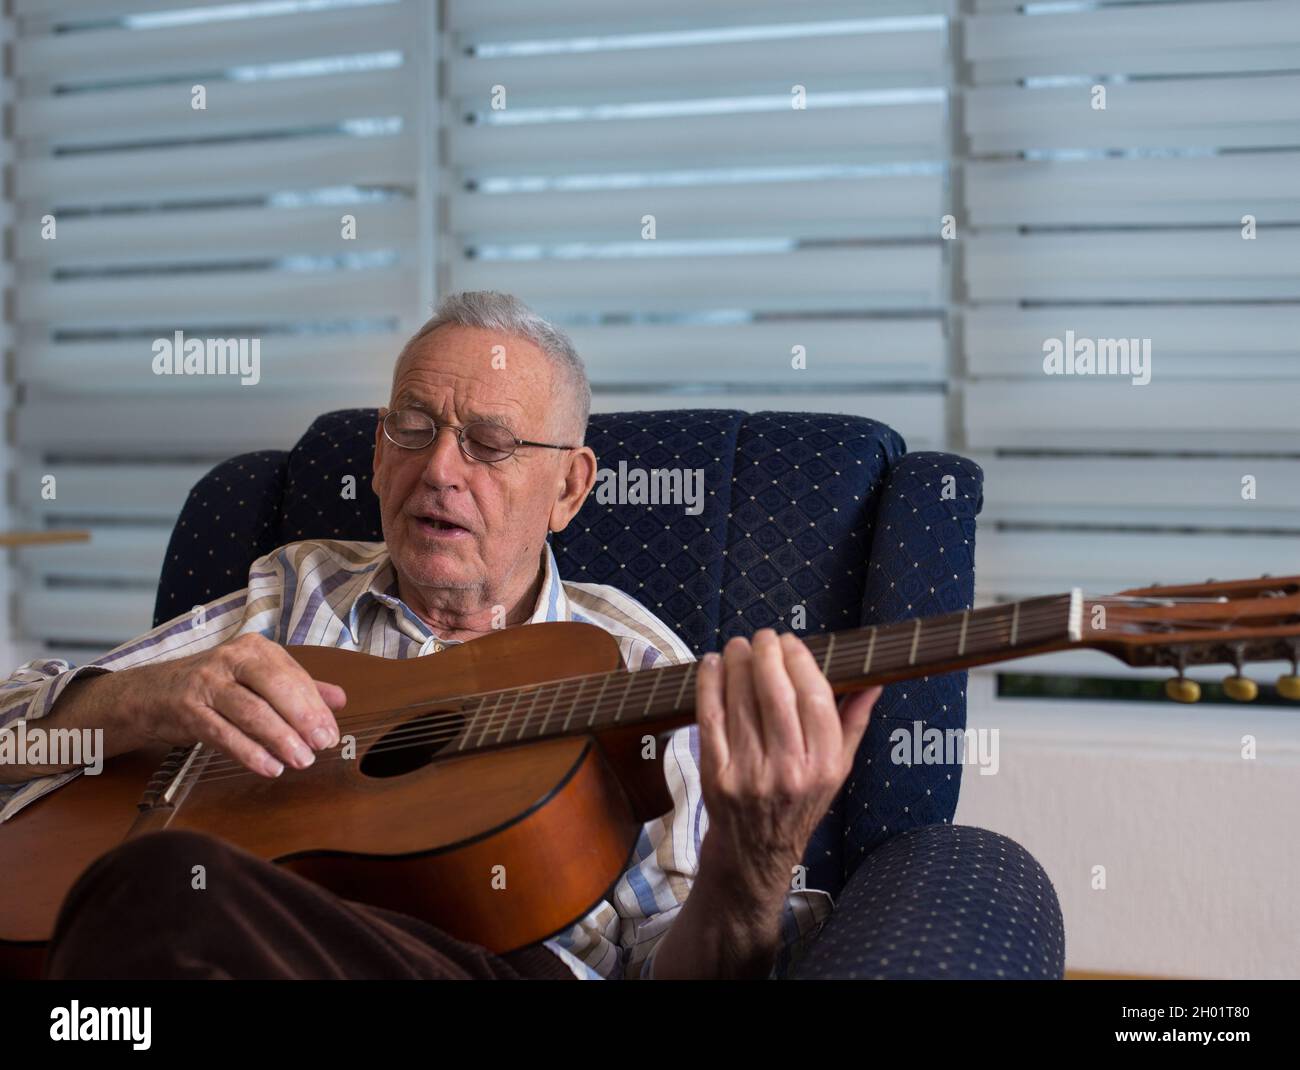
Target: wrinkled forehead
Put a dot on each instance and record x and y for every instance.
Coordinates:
(465, 372)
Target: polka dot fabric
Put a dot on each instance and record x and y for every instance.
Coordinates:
(943, 901)
(823, 516)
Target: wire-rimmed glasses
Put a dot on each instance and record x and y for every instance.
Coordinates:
(480, 440)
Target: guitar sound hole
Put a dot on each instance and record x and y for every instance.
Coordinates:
(412, 745)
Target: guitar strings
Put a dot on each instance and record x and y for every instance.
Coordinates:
(636, 688)
(639, 685)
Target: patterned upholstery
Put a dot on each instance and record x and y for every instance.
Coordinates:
(825, 512)
(943, 901)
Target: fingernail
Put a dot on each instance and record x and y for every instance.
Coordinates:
(271, 767)
(321, 738)
(302, 756)
(711, 660)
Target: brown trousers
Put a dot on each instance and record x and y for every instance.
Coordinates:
(135, 914)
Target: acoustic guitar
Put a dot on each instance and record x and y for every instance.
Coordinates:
(524, 754)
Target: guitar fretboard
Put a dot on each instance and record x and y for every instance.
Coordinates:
(858, 656)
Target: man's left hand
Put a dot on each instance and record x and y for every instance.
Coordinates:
(775, 747)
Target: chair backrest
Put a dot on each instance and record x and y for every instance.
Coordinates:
(788, 518)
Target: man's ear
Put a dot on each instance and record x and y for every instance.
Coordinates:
(577, 478)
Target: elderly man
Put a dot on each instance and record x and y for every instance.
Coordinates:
(478, 458)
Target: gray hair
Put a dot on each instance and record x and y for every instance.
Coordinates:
(493, 311)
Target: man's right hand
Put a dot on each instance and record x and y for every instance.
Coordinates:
(248, 698)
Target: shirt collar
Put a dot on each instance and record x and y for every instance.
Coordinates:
(379, 584)
(552, 599)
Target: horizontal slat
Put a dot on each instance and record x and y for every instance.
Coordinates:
(1208, 112)
(847, 351)
(1019, 563)
(361, 363)
(121, 554)
(266, 421)
(1129, 266)
(101, 617)
(170, 51)
(73, 11)
(919, 418)
(1166, 39)
(1136, 491)
(117, 490)
(841, 58)
(242, 234)
(182, 426)
(1207, 189)
(1009, 5)
(196, 173)
(234, 109)
(904, 276)
(1217, 342)
(820, 208)
(857, 132)
(523, 19)
(1063, 412)
(218, 297)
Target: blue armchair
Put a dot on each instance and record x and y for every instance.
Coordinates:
(825, 512)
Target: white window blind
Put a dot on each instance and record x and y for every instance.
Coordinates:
(524, 147)
(572, 127)
(225, 222)
(1127, 222)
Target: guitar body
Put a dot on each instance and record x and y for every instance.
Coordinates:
(502, 848)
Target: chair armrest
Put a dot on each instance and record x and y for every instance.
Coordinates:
(942, 901)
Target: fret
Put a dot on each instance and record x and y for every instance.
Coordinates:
(687, 673)
(595, 706)
(916, 638)
(826, 661)
(555, 699)
(487, 721)
(871, 650)
(1015, 622)
(523, 721)
(505, 720)
(573, 702)
(469, 727)
(961, 643)
(650, 701)
(628, 684)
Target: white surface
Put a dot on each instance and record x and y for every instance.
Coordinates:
(1199, 844)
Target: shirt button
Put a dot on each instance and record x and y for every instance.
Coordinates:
(430, 646)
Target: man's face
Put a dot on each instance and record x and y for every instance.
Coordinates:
(466, 534)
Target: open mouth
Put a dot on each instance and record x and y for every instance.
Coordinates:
(443, 529)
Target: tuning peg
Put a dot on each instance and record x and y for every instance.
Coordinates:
(1241, 688)
(1181, 689)
(1289, 687)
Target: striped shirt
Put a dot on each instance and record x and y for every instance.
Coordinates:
(344, 594)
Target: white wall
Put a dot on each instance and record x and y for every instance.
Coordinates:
(1200, 845)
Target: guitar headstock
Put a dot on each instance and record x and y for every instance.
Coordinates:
(1230, 623)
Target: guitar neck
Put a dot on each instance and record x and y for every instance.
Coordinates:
(852, 660)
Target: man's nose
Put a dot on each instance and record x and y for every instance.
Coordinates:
(445, 465)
